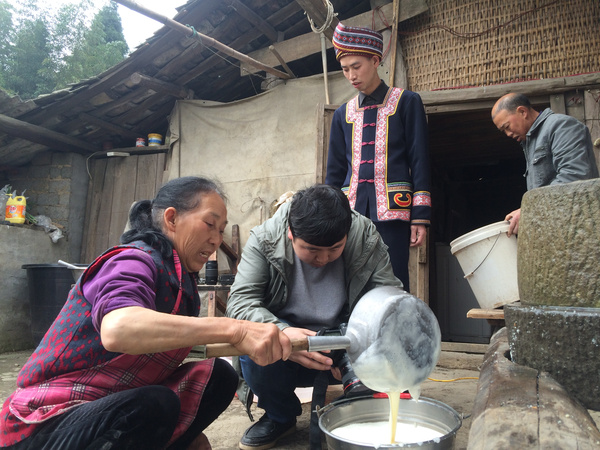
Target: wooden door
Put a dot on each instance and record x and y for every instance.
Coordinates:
(115, 183)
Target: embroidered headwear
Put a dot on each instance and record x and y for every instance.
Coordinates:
(357, 41)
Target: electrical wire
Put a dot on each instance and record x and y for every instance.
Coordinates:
(198, 40)
(454, 379)
(87, 162)
(459, 34)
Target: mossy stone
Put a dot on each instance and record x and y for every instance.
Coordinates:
(558, 260)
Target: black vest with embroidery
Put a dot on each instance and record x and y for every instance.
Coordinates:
(72, 343)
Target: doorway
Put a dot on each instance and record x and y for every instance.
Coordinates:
(477, 178)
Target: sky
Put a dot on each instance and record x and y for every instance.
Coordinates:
(137, 27)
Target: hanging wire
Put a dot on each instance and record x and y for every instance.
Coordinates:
(481, 33)
(198, 40)
(87, 162)
(330, 15)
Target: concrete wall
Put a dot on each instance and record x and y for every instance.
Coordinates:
(21, 244)
(56, 186)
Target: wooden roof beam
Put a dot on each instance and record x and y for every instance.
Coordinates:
(104, 125)
(160, 86)
(282, 61)
(206, 40)
(309, 44)
(278, 17)
(255, 20)
(40, 135)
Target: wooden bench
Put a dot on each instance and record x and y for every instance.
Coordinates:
(495, 317)
(489, 314)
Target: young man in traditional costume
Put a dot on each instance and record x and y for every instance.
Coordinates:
(378, 148)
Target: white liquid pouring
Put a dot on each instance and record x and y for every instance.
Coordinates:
(401, 353)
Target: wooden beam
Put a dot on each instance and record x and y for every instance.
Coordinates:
(463, 347)
(494, 92)
(278, 17)
(204, 39)
(493, 314)
(108, 126)
(255, 20)
(310, 44)
(282, 62)
(394, 42)
(44, 136)
(160, 86)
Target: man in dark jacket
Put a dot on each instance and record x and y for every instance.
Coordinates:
(378, 148)
(557, 148)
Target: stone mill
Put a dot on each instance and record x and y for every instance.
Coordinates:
(556, 327)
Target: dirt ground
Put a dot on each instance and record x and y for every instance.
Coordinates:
(224, 434)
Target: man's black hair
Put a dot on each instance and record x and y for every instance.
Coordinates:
(320, 215)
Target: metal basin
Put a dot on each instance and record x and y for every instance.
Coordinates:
(425, 412)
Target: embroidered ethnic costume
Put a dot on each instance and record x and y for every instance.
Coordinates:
(378, 152)
(373, 167)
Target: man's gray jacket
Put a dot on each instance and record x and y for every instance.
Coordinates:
(260, 287)
(558, 149)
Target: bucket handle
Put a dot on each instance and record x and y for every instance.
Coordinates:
(320, 410)
(470, 274)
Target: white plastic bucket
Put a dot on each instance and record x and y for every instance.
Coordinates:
(488, 258)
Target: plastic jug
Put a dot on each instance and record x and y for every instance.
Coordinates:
(15, 209)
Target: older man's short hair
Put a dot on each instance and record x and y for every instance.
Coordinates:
(510, 103)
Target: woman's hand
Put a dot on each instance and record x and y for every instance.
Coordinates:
(264, 343)
(310, 360)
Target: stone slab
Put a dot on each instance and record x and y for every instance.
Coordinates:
(520, 407)
(562, 341)
(559, 245)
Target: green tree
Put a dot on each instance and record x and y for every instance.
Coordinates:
(27, 59)
(6, 37)
(103, 46)
(44, 49)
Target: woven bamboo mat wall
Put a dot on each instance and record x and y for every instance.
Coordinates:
(463, 43)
